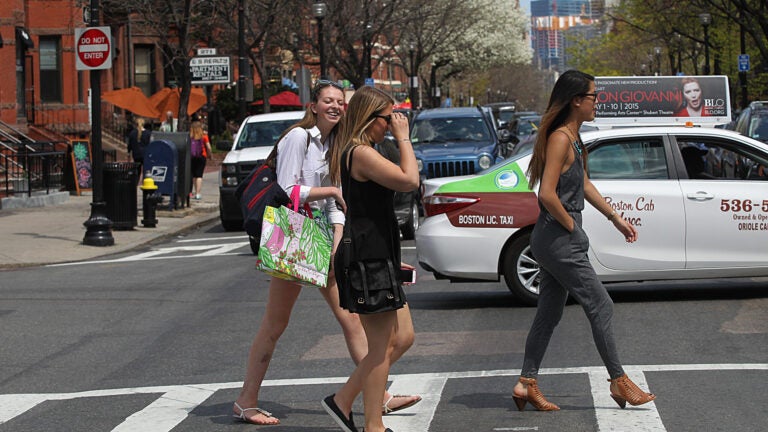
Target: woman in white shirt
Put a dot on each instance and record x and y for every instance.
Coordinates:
(302, 163)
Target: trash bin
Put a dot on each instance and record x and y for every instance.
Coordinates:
(120, 196)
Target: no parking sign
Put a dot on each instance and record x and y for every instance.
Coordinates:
(93, 46)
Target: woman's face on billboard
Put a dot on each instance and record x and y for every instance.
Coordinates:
(692, 94)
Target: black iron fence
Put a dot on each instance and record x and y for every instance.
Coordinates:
(39, 168)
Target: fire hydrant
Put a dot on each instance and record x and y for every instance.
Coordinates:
(150, 201)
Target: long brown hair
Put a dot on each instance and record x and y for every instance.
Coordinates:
(307, 122)
(571, 84)
(363, 106)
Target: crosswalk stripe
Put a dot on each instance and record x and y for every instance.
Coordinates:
(177, 402)
(167, 411)
(420, 416)
(644, 418)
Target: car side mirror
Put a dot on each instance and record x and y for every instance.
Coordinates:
(223, 145)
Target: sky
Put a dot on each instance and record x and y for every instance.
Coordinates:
(526, 5)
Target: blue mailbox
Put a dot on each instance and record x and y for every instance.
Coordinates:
(161, 159)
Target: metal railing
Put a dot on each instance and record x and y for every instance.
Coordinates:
(27, 171)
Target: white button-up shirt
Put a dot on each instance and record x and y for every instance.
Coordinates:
(306, 167)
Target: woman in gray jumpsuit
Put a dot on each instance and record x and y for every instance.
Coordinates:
(560, 245)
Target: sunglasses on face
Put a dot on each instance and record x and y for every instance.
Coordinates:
(387, 118)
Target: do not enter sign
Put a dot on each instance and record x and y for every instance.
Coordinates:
(93, 46)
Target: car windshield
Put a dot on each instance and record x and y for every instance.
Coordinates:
(506, 115)
(262, 134)
(758, 127)
(440, 130)
(527, 125)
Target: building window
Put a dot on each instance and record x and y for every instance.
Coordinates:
(50, 69)
(144, 68)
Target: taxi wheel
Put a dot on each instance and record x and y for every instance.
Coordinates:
(521, 271)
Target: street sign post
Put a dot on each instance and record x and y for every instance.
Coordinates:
(210, 70)
(743, 62)
(93, 46)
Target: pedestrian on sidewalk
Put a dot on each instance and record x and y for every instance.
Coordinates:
(302, 164)
(560, 244)
(200, 151)
(370, 181)
(138, 140)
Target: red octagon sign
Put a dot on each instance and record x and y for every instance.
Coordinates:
(93, 47)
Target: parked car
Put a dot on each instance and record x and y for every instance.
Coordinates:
(406, 203)
(753, 121)
(512, 124)
(455, 141)
(503, 112)
(697, 196)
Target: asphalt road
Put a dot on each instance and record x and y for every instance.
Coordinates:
(155, 340)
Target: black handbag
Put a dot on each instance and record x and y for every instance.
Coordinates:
(259, 190)
(365, 286)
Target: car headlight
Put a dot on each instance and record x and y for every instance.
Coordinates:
(484, 161)
(228, 175)
(419, 164)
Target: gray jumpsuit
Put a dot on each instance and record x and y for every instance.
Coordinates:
(565, 268)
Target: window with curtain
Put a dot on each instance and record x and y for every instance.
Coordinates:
(144, 67)
(50, 69)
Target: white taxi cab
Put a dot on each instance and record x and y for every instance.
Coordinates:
(697, 195)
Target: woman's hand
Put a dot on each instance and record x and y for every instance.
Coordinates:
(626, 228)
(399, 126)
(340, 203)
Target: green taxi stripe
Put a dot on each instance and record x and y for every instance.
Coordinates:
(507, 178)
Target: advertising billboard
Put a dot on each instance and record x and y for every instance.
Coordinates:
(662, 100)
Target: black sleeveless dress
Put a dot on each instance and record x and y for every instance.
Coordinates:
(371, 213)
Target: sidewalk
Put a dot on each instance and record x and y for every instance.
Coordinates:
(54, 234)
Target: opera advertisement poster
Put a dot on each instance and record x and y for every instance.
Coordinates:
(662, 99)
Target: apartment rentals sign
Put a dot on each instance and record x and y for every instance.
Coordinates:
(210, 70)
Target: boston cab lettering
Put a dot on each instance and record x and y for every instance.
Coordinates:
(641, 204)
(485, 220)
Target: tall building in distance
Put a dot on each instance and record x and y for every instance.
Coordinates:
(553, 20)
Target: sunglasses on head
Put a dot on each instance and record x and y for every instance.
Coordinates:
(323, 83)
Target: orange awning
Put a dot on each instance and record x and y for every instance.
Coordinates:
(133, 100)
(167, 99)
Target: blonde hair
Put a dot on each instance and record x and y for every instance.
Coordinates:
(196, 130)
(361, 111)
(140, 125)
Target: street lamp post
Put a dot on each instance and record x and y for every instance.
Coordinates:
(679, 53)
(318, 10)
(657, 51)
(706, 20)
(242, 62)
(98, 226)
